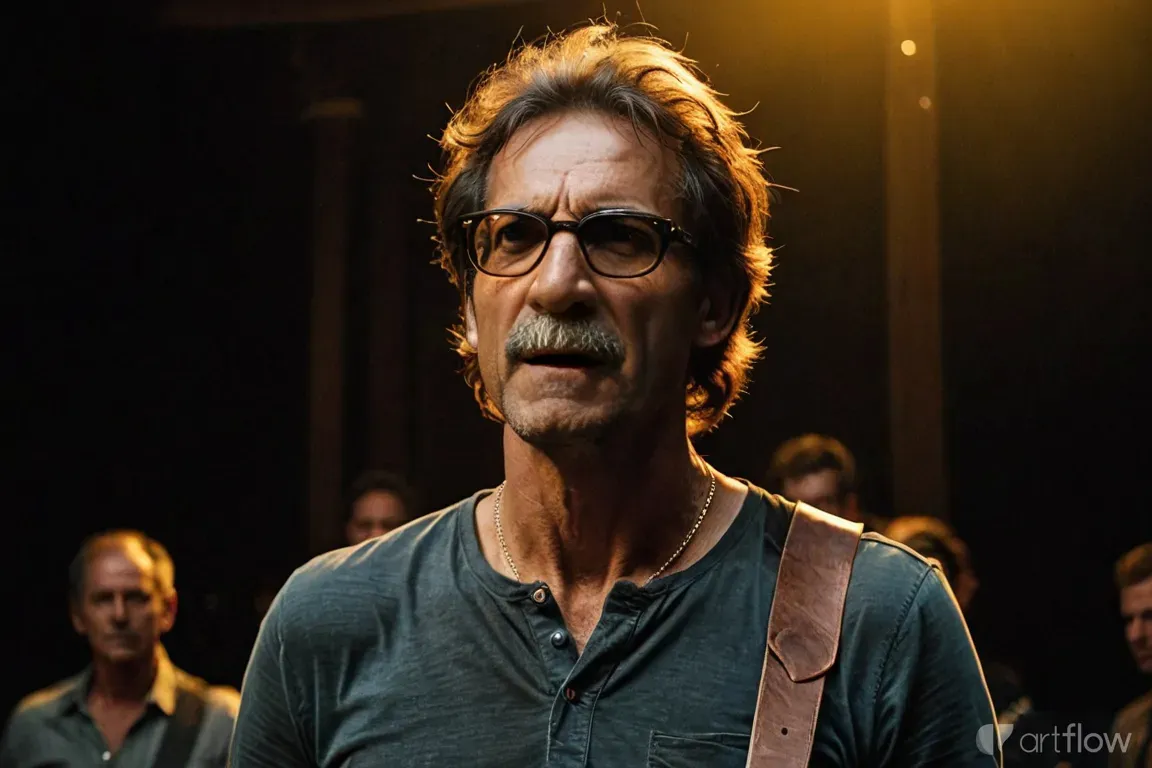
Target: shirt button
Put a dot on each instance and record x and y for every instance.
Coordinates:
(559, 638)
(571, 694)
(540, 596)
(106, 756)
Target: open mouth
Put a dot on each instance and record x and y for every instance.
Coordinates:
(563, 360)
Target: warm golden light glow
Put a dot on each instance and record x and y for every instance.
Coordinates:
(925, 102)
(908, 47)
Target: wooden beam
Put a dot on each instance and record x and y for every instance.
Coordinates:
(333, 123)
(913, 263)
(389, 406)
(237, 13)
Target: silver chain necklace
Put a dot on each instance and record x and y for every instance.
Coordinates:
(676, 554)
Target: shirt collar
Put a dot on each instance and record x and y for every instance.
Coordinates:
(755, 506)
(162, 693)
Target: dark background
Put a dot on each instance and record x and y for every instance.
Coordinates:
(157, 201)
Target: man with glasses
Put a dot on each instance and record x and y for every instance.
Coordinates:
(607, 604)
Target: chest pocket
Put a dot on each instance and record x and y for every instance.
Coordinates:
(698, 750)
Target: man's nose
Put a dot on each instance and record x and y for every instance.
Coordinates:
(562, 280)
(119, 609)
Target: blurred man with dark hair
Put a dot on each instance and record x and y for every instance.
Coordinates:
(132, 707)
(1133, 574)
(817, 470)
(378, 502)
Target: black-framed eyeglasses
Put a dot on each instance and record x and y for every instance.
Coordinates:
(617, 242)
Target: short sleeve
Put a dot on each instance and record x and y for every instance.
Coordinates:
(268, 730)
(932, 704)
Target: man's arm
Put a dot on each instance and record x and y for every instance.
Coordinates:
(931, 701)
(22, 732)
(269, 726)
(8, 742)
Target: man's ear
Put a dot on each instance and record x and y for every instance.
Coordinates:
(717, 315)
(470, 333)
(168, 617)
(77, 619)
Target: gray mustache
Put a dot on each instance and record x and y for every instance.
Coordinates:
(546, 334)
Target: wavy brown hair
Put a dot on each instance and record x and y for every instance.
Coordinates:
(722, 185)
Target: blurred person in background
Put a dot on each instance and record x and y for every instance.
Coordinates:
(1133, 574)
(132, 707)
(818, 470)
(378, 503)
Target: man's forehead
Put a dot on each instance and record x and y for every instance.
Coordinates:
(378, 502)
(1138, 595)
(582, 154)
(815, 481)
(120, 557)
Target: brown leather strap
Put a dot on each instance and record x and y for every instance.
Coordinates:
(803, 636)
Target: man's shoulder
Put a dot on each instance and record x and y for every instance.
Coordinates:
(376, 566)
(220, 699)
(887, 577)
(889, 562)
(881, 565)
(1134, 714)
(891, 590)
(46, 702)
(223, 697)
(900, 613)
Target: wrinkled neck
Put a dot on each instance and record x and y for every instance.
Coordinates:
(587, 516)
